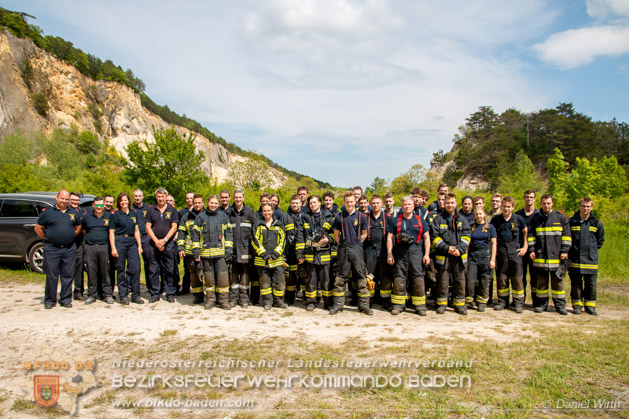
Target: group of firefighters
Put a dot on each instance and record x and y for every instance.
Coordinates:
(366, 251)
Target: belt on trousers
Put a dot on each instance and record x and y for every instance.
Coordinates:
(60, 246)
(96, 244)
(124, 235)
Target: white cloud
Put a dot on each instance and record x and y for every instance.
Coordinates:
(576, 47)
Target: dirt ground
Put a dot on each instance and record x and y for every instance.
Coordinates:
(88, 331)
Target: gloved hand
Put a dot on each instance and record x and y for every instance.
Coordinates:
(563, 268)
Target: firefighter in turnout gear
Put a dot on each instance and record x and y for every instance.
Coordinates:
(375, 250)
(212, 245)
(268, 242)
(293, 222)
(512, 245)
(242, 219)
(481, 260)
(550, 241)
(412, 245)
(451, 238)
(350, 231)
(184, 246)
(588, 235)
(317, 226)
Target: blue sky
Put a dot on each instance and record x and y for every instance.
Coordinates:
(345, 90)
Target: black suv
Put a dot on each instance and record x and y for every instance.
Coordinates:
(18, 215)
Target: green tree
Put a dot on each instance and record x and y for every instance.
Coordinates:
(250, 174)
(408, 180)
(519, 175)
(171, 162)
(378, 186)
(557, 173)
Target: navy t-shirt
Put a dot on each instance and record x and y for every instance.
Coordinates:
(508, 230)
(142, 211)
(410, 226)
(482, 235)
(58, 225)
(349, 228)
(161, 222)
(96, 229)
(123, 223)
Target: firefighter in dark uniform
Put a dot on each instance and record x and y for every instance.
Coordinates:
(481, 260)
(293, 222)
(410, 233)
(184, 247)
(317, 232)
(79, 283)
(350, 231)
(242, 219)
(162, 221)
(467, 209)
(268, 242)
(212, 244)
(95, 226)
(550, 241)
(110, 203)
(58, 226)
(332, 208)
(430, 279)
(126, 247)
(374, 248)
(141, 209)
(451, 234)
(512, 245)
(528, 212)
(588, 236)
(419, 209)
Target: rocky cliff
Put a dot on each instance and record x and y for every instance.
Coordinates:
(29, 74)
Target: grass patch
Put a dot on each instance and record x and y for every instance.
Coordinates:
(169, 332)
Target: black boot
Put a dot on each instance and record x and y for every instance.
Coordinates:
(339, 302)
(363, 306)
(198, 298)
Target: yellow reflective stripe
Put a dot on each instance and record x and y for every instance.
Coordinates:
(309, 258)
(385, 293)
(558, 292)
(306, 225)
(196, 289)
(593, 229)
(575, 228)
(584, 266)
(265, 291)
(481, 300)
(458, 303)
(577, 303)
(211, 289)
(289, 227)
(339, 294)
(590, 303)
(325, 258)
(398, 299)
(300, 246)
(436, 241)
(465, 239)
(514, 292)
(278, 293)
(255, 283)
(309, 294)
(326, 226)
(291, 287)
(222, 290)
(418, 300)
(547, 229)
(327, 293)
(361, 295)
(469, 299)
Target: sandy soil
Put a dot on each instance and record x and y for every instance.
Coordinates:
(84, 329)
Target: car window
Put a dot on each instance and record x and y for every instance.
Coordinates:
(17, 208)
(41, 206)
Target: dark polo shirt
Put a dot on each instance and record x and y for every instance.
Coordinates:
(162, 222)
(349, 226)
(142, 211)
(96, 229)
(123, 223)
(59, 226)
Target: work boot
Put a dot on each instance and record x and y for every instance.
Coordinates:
(591, 311)
(500, 305)
(539, 309)
(562, 311)
(518, 306)
(339, 302)
(575, 310)
(386, 303)
(421, 311)
(328, 303)
(210, 299)
(198, 298)
(209, 305)
(289, 297)
(462, 310)
(481, 308)
(310, 307)
(469, 305)
(441, 309)
(363, 306)
(395, 312)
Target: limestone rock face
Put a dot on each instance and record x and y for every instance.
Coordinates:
(112, 110)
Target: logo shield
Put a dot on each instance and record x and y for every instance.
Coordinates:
(46, 389)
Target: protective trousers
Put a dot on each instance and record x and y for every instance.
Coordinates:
(350, 262)
(318, 277)
(195, 272)
(272, 285)
(79, 283)
(58, 266)
(408, 270)
(557, 288)
(97, 260)
(509, 268)
(478, 272)
(453, 267)
(292, 274)
(128, 267)
(583, 290)
(239, 283)
(216, 281)
(375, 259)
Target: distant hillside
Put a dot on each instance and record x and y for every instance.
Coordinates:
(40, 95)
(488, 142)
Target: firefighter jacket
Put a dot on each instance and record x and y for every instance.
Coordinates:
(184, 232)
(430, 217)
(268, 244)
(212, 235)
(548, 238)
(318, 225)
(449, 230)
(587, 237)
(377, 230)
(242, 229)
(293, 223)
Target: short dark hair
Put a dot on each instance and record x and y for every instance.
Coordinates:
(375, 196)
(508, 199)
(467, 197)
(359, 188)
(295, 197)
(225, 191)
(388, 195)
(302, 188)
(75, 194)
(196, 196)
(450, 195)
(328, 193)
(265, 195)
(547, 196)
(529, 191)
(416, 191)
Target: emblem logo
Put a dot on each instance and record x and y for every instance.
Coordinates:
(144, 213)
(106, 221)
(168, 215)
(46, 389)
(134, 220)
(71, 216)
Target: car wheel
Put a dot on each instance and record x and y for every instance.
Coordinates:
(36, 258)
